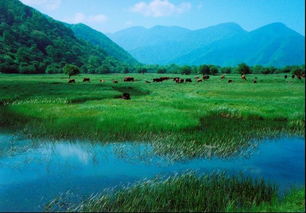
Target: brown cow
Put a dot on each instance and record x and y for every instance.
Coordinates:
(86, 79)
(176, 79)
(230, 81)
(243, 77)
(128, 79)
(299, 77)
(180, 81)
(157, 80)
(71, 81)
(126, 96)
(199, 80)
(303, 75)
(222, 76)
(205, 77)
(115, 82)
(188, 80)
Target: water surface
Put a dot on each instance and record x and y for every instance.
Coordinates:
(32, 172)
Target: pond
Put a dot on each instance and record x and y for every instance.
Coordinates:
(32, 173)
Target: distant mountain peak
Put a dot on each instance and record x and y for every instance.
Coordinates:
(276, 28)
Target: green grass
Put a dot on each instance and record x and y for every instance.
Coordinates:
(294, 201)
(179, 119)
(190, 193)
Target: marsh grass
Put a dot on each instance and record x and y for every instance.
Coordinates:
(184, 193)
(178, 119)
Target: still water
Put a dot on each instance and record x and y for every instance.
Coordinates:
(32, 173)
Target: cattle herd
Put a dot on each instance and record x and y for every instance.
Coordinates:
(182, 80)
(126, 96)
(186, 80)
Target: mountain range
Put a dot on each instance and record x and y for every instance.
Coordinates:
(31, 42)
(225, 44)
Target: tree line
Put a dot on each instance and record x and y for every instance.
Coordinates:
(242, 68)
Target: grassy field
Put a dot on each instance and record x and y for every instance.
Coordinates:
(191, 193)
(179, 119)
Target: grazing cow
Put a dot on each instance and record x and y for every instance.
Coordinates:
(229, 81)
(115, 82)
(299, 77)
(157, 80)
(293, 76)
(176, 79)
(102, 81)
(126, 96)
(86, 79)
(148, 82)
(222, 76)
(71, 81)
(188, 80)
(128, 79)
(243, 77)
(205, 77)
(286, 76)
(199, 80)
(179, 81)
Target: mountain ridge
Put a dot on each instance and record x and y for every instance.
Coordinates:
(196, 47)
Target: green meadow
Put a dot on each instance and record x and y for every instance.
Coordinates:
(176, 118)
(180, 120)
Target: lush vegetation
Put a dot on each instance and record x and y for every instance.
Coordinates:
(31, 42)
(191, 193)
(208, 69)
(99, 39)
(179, 119)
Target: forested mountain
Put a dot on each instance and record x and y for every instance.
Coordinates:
(31, 42)
(100, 40)
(224, 44)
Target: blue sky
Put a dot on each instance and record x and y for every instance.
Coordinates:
(113, 15)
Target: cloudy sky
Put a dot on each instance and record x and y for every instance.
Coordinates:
(113, 15)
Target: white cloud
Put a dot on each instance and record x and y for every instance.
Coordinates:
(158, 8)
(46, 4)
(91, 19)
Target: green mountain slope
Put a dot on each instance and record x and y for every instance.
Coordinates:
(31, 42)
(98, 39)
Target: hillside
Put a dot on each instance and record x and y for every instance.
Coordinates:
(100, 40)
(31, 42)
(223, 44)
